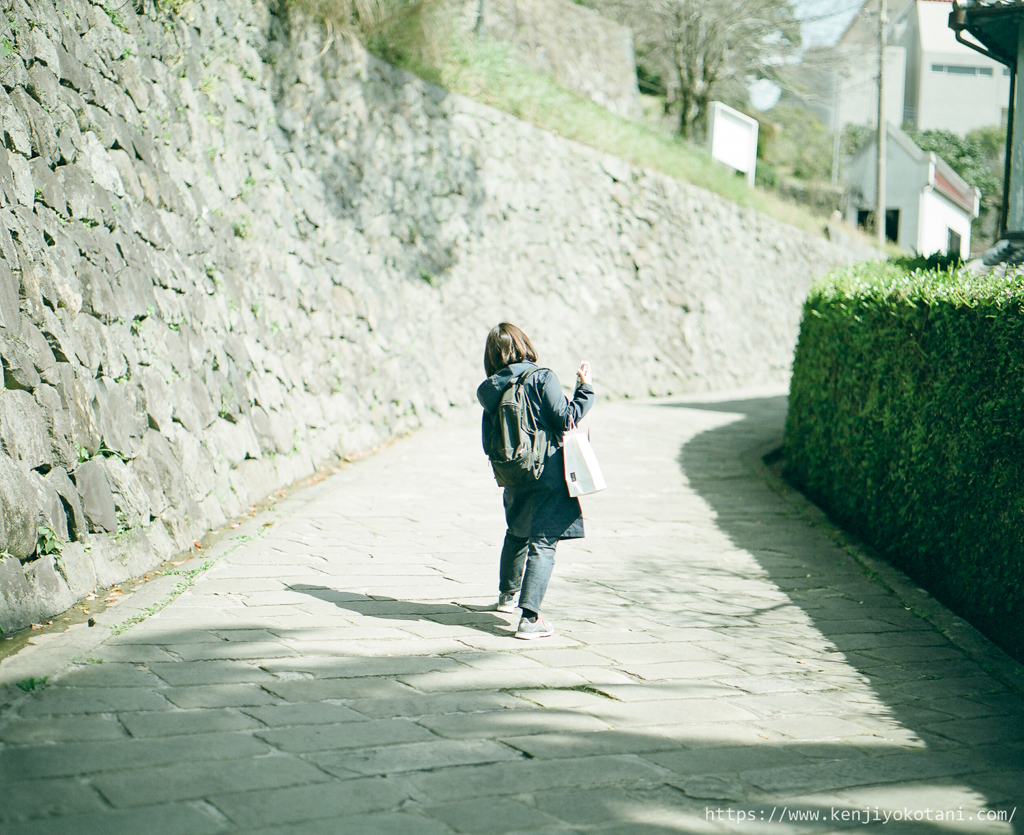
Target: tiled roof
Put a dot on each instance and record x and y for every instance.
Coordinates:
(954, 188)
(993, 24)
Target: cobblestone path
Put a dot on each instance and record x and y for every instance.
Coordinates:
(720, 665)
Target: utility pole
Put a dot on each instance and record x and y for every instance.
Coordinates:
(478, 27)
(837, 83)
(883, 134)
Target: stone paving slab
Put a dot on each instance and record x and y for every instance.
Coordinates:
(724, 662)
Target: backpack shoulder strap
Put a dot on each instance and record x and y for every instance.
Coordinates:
(522, 378)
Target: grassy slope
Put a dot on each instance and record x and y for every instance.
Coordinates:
(489, 72)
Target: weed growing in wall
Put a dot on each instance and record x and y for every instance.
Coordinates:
(364, 20)
(47, 541)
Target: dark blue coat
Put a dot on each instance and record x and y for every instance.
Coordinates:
(545, 509)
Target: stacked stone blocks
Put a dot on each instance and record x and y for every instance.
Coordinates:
(229, 257)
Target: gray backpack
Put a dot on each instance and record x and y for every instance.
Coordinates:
(519, 446)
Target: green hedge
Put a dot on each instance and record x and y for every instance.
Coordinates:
(906, 424)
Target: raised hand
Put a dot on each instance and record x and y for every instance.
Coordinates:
(583, 373)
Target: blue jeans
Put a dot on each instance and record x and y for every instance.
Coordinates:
(526, 565)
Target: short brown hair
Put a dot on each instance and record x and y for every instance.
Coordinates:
(506, 344)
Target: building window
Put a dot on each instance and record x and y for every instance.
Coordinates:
(952, 242)
(1006, 71)
(961, 69)
(866, 221)
(892, 224)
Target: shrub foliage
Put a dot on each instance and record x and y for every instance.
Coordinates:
(372, 22)
(906, 424)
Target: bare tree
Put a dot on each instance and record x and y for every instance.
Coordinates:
(699, 44)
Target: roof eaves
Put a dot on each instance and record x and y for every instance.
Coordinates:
(953, 187)
(942, 167)
(907, 144)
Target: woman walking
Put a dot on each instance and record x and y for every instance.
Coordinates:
(540, 513)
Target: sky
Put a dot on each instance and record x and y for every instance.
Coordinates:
(823, 22)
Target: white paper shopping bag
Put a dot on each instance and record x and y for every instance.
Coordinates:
(582, 472)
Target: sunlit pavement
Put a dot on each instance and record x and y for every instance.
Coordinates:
(719, 665)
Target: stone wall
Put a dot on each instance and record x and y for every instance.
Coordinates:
(583, 51)
(227, 260)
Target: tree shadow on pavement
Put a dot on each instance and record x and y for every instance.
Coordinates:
(389, 608)
(952, 723)
(295, 718)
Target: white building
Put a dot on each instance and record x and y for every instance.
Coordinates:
(932, 80)
(841, 82)
(854, 60)
(929, 208)
(948, 85)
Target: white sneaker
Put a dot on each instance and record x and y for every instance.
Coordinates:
(506, 602)
(540, 628)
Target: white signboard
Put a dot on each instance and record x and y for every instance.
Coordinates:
(732, 138)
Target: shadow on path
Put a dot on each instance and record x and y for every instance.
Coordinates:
(389, 608)
(678, 697)
(965, 728)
